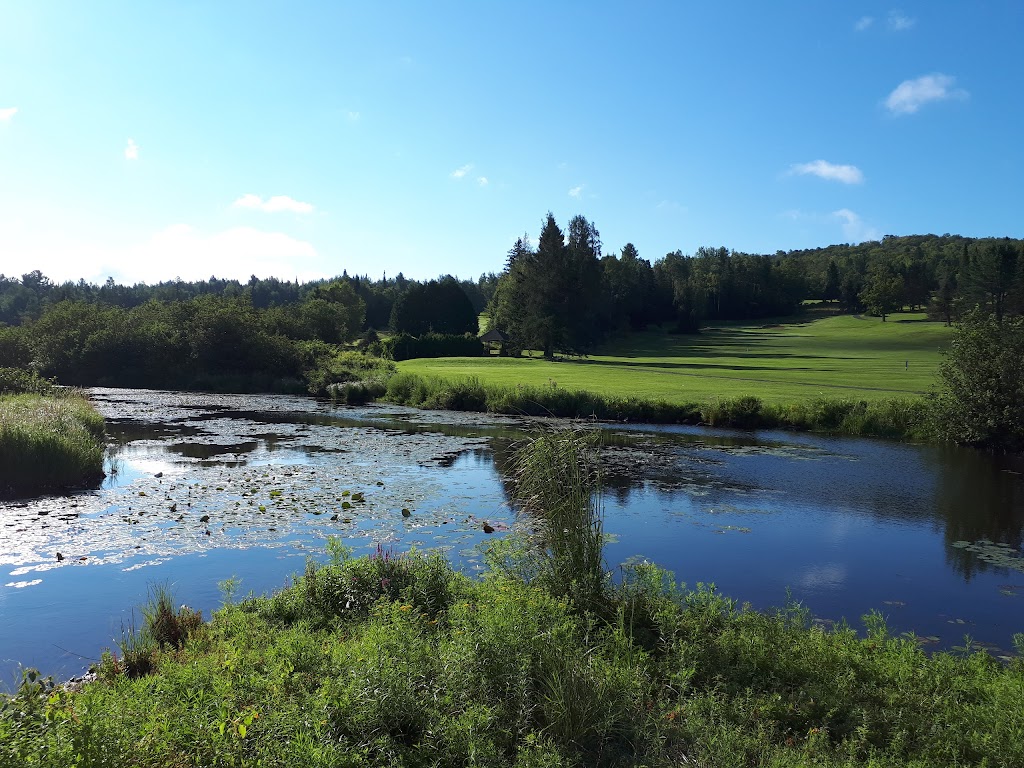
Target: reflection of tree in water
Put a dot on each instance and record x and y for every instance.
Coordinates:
(981, 497)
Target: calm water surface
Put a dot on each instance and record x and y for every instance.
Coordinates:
(209, 487)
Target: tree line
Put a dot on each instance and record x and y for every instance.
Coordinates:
(562, 296)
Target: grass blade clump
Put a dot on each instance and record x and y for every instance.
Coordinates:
(164, 628)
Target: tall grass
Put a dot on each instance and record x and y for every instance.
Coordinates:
(898, 418)
(49, 443)
(557, 486)
(164, 628)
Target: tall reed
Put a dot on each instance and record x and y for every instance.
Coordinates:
(557, 483)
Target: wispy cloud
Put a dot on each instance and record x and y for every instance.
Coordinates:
(863, 23)
(899, 22)
(855, 229)
(577, 191)
(847, 174)
(460, 173)
(131, 150)
(354, 116)
(7, 114)
(910, 95)
(483, 181)
(275, 204)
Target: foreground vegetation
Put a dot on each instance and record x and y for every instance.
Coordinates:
(398, 660)
(49, 439)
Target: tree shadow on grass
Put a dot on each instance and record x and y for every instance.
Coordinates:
(691, 366)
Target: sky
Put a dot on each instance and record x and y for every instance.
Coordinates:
(149, 141)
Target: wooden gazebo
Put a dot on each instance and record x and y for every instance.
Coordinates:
(494, 337)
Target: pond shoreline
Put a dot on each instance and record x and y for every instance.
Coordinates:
(901, 419)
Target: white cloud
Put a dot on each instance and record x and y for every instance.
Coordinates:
(131, 150)
(863, 23)
(577, 191)
(275, 204)
(483, 181)
(176, 251)
(7, 114)
(898, 22)
(354, 116)
(847, 174)
(910, 95)
(459, 173)
(855, 229)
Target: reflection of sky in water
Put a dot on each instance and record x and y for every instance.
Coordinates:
(847, 525)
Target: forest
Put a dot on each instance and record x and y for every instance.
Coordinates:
(562, 296)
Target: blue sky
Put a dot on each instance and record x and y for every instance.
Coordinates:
(148, 141)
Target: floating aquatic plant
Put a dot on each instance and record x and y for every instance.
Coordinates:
(998, 554)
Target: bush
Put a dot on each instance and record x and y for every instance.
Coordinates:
(15, 348)
(349, 377)
(15, 381)
(405, 347)
(980, 397)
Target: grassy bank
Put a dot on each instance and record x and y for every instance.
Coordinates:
(48, 442)
(842, 357)
(899, 418)
(398, 660)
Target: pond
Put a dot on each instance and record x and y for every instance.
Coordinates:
(209, 487)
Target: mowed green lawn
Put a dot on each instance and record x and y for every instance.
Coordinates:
(839, 356)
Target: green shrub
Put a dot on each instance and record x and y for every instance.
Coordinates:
(980, 397)
(349, 377)
(403, 346)
(16, 381)
(15, 348)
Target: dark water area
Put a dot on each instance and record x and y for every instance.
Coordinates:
(208, 487)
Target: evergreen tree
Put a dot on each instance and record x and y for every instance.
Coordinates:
(548, 298)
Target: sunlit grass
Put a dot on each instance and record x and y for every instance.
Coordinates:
(860, 358)
(49, 442)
